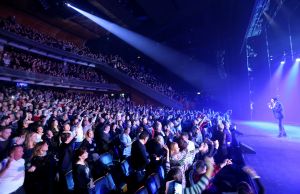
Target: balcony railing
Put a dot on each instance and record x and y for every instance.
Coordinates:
(43, 79)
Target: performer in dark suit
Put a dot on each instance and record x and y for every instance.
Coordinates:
(277, 109)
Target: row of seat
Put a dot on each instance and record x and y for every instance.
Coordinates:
(117, 176)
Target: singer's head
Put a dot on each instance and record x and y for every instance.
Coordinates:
(274, 99)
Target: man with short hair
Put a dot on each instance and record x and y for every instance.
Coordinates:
(277, 110)
(12, 172)
(105, 139)
(5, 141)
(139, 156)
(191, 144)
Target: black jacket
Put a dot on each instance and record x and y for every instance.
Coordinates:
(139, 156)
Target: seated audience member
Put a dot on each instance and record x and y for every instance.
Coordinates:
(198, 169)
(12, 172)
(5, 141)
(207, 149)
(174, 181)
(81, 172)
(126, 142)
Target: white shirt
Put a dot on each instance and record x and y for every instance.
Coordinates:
(13, 177)
(125, 139)
(191, 146)
(80, 136)
(173, 188)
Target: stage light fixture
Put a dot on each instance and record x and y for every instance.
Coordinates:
(68, 4)
(298, 60)
(282, 62)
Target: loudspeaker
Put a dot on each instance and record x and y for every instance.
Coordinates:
(246, 149)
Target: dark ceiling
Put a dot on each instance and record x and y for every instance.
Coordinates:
(190, 26)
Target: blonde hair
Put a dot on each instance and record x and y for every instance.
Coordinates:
(29, 143)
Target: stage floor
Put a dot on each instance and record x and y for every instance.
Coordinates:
(277, 160)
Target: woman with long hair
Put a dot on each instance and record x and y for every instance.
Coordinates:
(30, 142)
(40, 173)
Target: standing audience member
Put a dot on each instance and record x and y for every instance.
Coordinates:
(81, 172)
(126, 143)
(12, 172)
(139, 159)
(5, 141)
(105, 139)
(30, 142)
(40, 175)
(65, 156)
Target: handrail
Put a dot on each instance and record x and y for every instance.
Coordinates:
(43, 79)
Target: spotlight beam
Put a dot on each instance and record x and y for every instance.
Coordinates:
(196, 73)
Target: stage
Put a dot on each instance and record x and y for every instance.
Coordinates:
(277, 159)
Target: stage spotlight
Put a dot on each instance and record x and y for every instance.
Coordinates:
(282, 62)
(198, 93)
(68, 4)
(298, 60)
(196, 73)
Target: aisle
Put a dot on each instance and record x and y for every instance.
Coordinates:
(277, 160)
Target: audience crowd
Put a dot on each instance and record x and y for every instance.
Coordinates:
(135, 71)
(47, 134)
(25, 61)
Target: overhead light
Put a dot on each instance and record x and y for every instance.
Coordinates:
(282, 62)
(298, 60)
